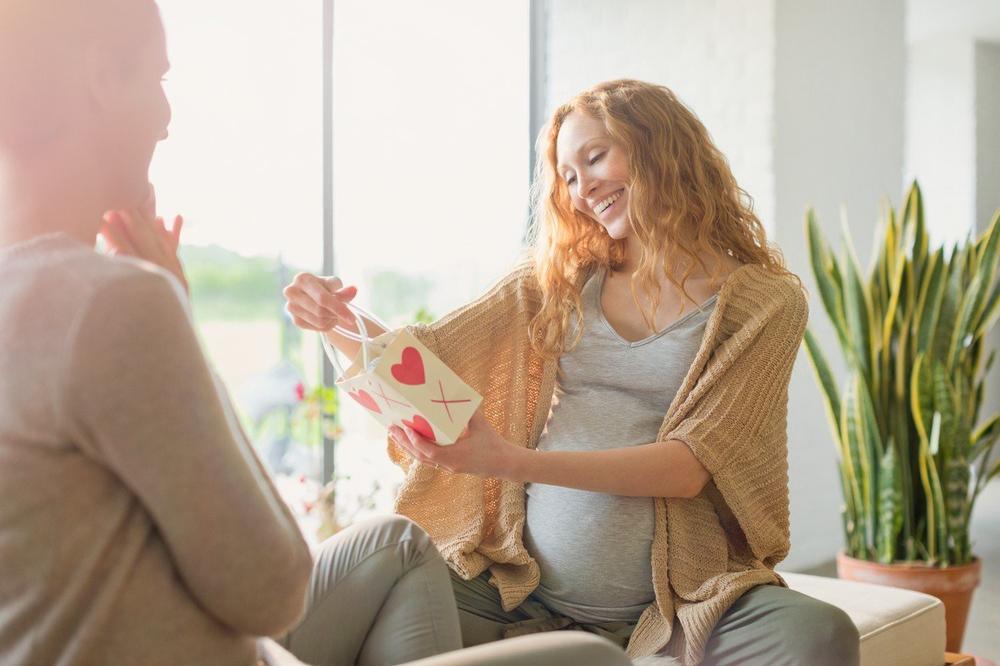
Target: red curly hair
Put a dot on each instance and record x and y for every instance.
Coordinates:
(682, 196)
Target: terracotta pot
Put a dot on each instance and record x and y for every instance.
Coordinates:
(952, 585)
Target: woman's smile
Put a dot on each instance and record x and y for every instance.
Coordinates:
(608, 203)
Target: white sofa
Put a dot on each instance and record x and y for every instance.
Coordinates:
(897, 627)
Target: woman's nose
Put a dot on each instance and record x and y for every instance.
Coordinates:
(587, 186)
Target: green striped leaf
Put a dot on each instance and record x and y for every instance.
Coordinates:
(890, 497)
(858, 463)
(857, 310)
(922, 396)
(929, 301)
(991, 310)
(949, 304)
(962, 336)
(824, 268)
(990, 428)
(853, 427)
(831, 395)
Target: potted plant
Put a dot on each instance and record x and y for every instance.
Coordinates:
(913, 453)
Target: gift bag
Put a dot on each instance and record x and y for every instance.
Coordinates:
(397, 380)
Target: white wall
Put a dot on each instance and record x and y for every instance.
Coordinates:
(988, 176)
(805, 98)
(987, 102)
(978, 19)
(838, 142)
(716, 55)
(953, 123)
(940, 133)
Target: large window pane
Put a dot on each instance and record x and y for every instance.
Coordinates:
(244, 166)
(431, 150)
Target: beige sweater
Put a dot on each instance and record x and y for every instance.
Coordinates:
(730, 410)
(136, 524)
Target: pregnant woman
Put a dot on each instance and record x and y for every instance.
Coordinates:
(627, 472)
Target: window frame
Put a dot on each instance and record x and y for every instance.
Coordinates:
(537, 62)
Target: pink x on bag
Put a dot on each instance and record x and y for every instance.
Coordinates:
(399, 381)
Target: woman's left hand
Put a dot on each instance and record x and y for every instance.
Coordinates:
(480, 450)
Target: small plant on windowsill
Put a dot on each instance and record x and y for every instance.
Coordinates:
(314, 415)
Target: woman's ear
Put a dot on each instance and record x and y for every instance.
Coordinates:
(103, 78)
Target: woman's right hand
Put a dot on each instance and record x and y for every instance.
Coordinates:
(318, 303)
(140, 233)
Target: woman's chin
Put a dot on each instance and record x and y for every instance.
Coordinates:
(617, 229)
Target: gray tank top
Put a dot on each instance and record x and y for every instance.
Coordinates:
(594, 549)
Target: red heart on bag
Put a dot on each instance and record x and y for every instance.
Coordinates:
(365, 400)
(421, 426)
(411, 370)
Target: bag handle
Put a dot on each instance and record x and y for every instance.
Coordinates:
(365, 340)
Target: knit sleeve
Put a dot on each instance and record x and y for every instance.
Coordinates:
(735, 418)
(145, 405)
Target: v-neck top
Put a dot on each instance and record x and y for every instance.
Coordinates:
(600, 276)
(609, 393)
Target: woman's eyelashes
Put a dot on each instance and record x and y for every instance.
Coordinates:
(592, 161)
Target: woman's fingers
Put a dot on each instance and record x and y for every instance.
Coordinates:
(145, 236)
(335, 285)
(148, 207)
(423, 449)
(310, 319)
(128, 232)
(311, 289)
(313, 306)
(170, 238)
(403, 441)
(305, 325)
(306, 304)
(175, 231)
(116, 236)
(319, 291)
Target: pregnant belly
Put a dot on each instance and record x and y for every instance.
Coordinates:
(593, 551)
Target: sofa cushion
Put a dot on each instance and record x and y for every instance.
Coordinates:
(898, 627)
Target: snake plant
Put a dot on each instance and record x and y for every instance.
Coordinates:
(913, 454)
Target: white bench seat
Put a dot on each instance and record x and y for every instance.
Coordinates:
(898, 627)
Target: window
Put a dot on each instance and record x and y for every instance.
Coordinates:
(431, 150)
(430, 162)
(244, 165)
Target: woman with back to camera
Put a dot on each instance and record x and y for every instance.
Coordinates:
(626, 473)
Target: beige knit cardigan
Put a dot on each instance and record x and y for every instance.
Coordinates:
(730, 410)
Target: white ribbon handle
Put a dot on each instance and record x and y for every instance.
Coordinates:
(365, 340)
